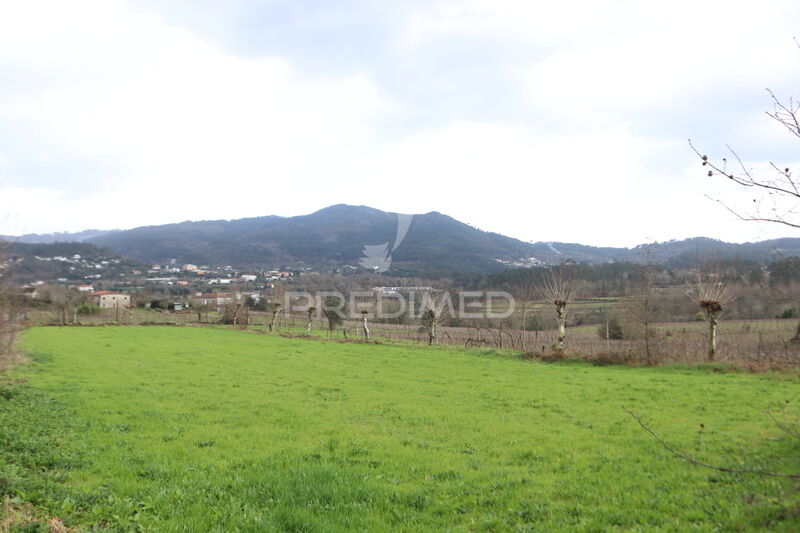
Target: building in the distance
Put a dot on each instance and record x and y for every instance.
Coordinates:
(112, 300)
(214, 300)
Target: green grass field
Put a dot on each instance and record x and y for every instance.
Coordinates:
(190, 429)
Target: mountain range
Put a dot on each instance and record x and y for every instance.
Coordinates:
(434, 244)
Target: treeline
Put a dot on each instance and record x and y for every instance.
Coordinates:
(622, 278)
(771, 291)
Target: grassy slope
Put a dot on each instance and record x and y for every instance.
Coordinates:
(194, 429)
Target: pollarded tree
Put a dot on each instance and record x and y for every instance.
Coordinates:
(311, 311)
(332, 308)
(429, 322)
(558, 286)
(364, 325)
(432, 307)
(275, 309)
(712, 293)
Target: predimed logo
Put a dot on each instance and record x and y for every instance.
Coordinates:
(378, 257)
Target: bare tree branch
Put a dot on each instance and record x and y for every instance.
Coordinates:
(781, 185)
(688, 458)
(754, 219)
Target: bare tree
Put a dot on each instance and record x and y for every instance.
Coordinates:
(558, 285)
(526, 291)
(432, 307)
(775, 197)
(236, 313)
(311, 311)
(429, 322)
(645, 307)
(364, 325)
(65, 300)
(202, 310)
(332, 309)
(9, 319)
(712, 292)
(777, 192)
(276, 308)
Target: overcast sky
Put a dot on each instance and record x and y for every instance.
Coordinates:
(545, 121)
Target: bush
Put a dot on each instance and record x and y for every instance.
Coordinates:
(234, 314)
(613, 329)
(87, 308)
(535, 322)
(257, 305)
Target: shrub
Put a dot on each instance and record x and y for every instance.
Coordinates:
(87, 308)
(535, 322)
(612, 330)
(234, 314)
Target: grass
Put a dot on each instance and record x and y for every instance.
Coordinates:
(189, 429)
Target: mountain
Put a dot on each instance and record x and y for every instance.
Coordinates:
(46, 238)
(434, 245)
(684, 253)
(73, 261)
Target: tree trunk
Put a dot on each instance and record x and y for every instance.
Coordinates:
(432, 333)
(274, 318)
(712, 335)
(366, 329)
(561, 316)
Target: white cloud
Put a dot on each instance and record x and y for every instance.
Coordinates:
(197, 131)
(196, 127)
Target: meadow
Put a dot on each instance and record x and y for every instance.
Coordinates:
(759, 343)
(199, 429)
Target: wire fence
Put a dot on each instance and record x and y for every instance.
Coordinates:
(757, 342)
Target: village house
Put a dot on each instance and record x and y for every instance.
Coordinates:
(112, 300)
(214, 300)
(31, 292)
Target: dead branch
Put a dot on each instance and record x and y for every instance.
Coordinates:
(782, 185)
(688, 458)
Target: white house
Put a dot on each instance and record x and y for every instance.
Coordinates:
(112, 300)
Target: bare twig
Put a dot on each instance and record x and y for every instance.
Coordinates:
(688, 458)
(781, 185)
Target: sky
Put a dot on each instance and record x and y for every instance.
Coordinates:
(546, 121)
